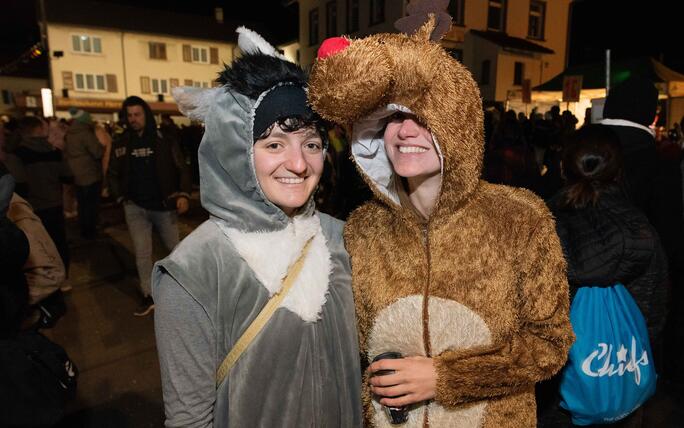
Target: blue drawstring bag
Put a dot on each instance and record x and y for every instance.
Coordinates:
(610, 370)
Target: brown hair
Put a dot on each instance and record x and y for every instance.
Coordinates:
(592, 161)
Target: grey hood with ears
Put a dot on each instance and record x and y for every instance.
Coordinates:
(229, 187)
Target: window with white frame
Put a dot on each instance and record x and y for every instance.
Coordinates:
(84, 43)
(200, 54)
(159, 86)
(90, 82)
(537, 17)
(496, 15)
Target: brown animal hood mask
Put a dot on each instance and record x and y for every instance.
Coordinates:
(365, 82)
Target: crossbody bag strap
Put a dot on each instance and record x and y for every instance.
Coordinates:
(262, 319)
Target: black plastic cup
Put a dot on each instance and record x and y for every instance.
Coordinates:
(396, 415)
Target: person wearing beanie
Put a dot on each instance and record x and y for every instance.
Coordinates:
(260, 159)
(84, 153)
(80, 115)
(654, 185)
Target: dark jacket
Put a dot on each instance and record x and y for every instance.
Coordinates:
(14, 250)
(45, 169)
(613, 242)
(173, 175)
(84, 153)
(655, 186)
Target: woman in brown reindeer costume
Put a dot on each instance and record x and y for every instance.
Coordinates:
(464, 278)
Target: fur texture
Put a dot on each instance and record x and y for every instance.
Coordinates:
(269, 255)
(492, 250)
(251, 42)
(255, 73)
(195, 102)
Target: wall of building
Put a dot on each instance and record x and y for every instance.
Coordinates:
(11, 86)
(290, 50)
(109, 61)
(475, 52)
(128, 66)
(537, 67)
(394, 9)
(140, 66)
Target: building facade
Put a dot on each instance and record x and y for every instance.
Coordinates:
(18, 91)
(503, 42)
(100, 57)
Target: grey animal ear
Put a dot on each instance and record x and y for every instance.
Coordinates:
(193, 102)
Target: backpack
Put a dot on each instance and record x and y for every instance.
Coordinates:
(610, 370)
(37, 379)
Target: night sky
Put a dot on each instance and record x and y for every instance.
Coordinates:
(629, 28)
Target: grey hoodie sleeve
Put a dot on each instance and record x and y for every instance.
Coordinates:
(187, 356)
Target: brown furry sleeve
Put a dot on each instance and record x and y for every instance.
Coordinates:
(535, 351)
(354, 242)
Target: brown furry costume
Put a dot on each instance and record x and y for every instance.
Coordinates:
(482, 287)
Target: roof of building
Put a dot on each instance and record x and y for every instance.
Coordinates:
(136, 19)
(594, 74)
(510, 42)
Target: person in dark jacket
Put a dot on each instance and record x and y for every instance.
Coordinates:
(45, 170)
(84, 153)
(654, 185)
(147, 173)
(606, 239)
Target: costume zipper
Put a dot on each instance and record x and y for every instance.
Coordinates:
(426, 312)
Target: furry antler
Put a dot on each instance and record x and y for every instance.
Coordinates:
(419, 12)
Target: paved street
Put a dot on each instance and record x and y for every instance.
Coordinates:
(119, 384)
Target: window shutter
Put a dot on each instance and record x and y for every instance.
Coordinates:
(144, 84)
(111, 83)
(173, 82)
(187, 82)
(68, 79)
(213, 56)
(187, 53)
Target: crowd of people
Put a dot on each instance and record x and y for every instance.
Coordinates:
(456, 214)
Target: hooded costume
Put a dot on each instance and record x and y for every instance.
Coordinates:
(302, 369)
(479, 287)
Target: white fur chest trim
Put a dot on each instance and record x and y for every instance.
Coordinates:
(399, 327)
(269, 254)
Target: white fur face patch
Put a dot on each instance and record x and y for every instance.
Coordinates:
(399, 327)
(270, 254)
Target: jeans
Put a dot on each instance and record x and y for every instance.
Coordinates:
(140, 222)
(88, 205)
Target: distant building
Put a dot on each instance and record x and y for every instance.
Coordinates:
(101, 53)
(502, 42)
(26, 89)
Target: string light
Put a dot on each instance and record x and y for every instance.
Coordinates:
(31, 53)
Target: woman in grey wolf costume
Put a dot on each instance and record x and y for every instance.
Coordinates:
(302, 369)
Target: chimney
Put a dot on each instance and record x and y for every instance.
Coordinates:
(218, 13)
